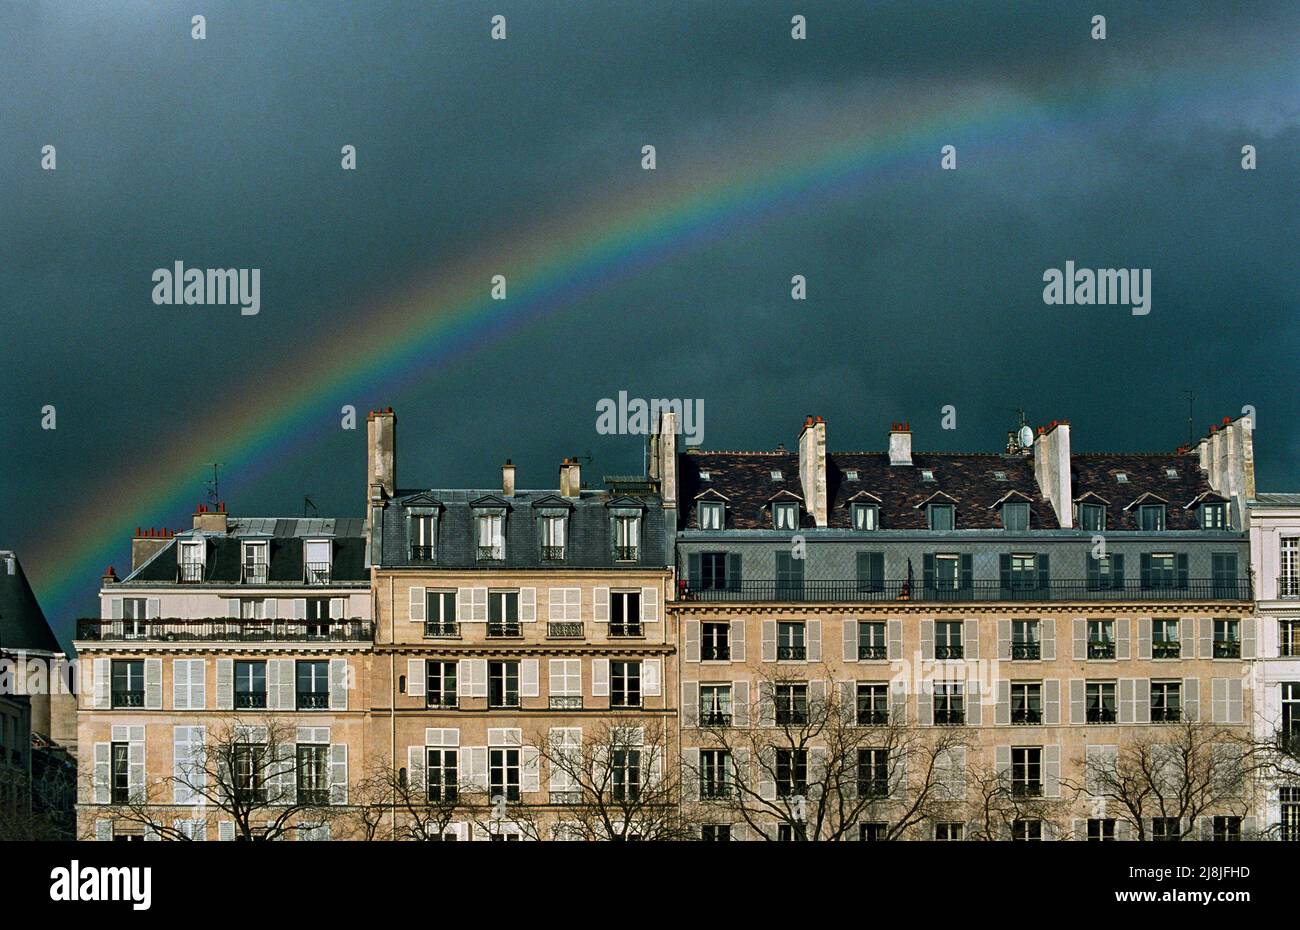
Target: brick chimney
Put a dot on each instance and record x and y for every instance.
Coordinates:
(663, 456)
(570, 478)
(1228, 456)
(812, 467)
(900, 444)
(381, 453)
(1052, 469)
(211, 519)
(109, 576)
(147, 543)
(508, 479)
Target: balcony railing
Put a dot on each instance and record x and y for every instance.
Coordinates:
(1027, 789)
(422, 553)
(552, 553)
(872, 718)
(254, 573)
(1031, 652)
(1166, 650)
(626, 553)
(1101, 715)
(873, 787)
(715, 718)
(226, 631)
(564, 629)
(504, 629)
(948, 652)
(626, 629)
(439, 629)
(250, 700)
(1170, 714)
(982, 590)
(1026, 716)
(714, 791)
(128, 698)
(792, 653)
(443, 700)
(955, 717)
(566, 702)
(491, 553)
(1101, 649)
(719, 653)
(317, 573)
(189, 572)
(313, 700)
(1227, 649)
(566, 797)
(873, 652)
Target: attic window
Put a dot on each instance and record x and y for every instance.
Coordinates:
(1171, 473)
(706, 475)
(927, 474)
(710, 515)
(1121, 477)
(851, 475)
(999, 476)
(785, 516)
(1214, 517)
(778, 475)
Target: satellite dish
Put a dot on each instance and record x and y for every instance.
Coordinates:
(1026, 436)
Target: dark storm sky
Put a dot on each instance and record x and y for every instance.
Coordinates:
(924, 286)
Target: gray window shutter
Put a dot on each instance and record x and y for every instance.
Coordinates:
(1052, 771)
(1144, 638)
(1002, 715)
(416, 596)
(974, 708)
(300, 608)
(135, 765)
(1142, 704)
(769, 640)
(338, 682)
(1122, 649)
(767, 773)
(1002, 761)
(1078, 707)
(225, 684)
(1004, 640)
(1047, 638)
(529, 678)
(153, 684)
(415, 758)
(814, 640)
(273, 684)
(1080, 639)
(1052, 701)
(740, 704)
(816, 697)
(102, 775)
(339, 773)
(971, 639)
(415, 678)
(1235, 701)
(1187, 638)
(690, 703)
(737, 635)
(1192, 700)
(850, 640)
(1123, 831)
(766, 705)
(103, 831)
(1248, 638)
(1219, 700)
(692, 641)
(103, 673)
(181, 684)
(479, 672)
(925, 704)
(898, 704)
(1080, 830)
(895, 631)
(1127, 700)
(927, 639)
(1207, 638)
(600, 677)
(690, 773)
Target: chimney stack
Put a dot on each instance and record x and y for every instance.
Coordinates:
(381, 453)
(210, 519)
(146, 544)
(812, 467)
(1052, 470)
(900, 444)
(508, 479)
(109, 576)
(663, 456)
(570, 478)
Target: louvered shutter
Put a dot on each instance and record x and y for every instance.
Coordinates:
(180, 684)
(416, 679)
(417, 604)
(198, 684)
(1122, 639)
(289, 684)
(1080, 639)
(529, 678)
(530, 770)
(104, 831)
(115, 611)
(895, 631)
(1002, 714)
(1248, 638)
(273, 684)
(283, 777)
(814, 640)
(1236, 705)
(850, 641)
(225, 831)
(600, 677)
(1052, 701)
(153, 608)
(1144, 638)
(692, 641)
(1187, 638)
(650, 605)
(415, 762)
(300, 608)
(101, 778)
(135, 766)
(737, 637)
(600, 605)
(1142, 700)
(766, 705)
(339, 773)
(1207, 638)
(338, 682)
(103, 673)
(651, 674)
(898, 703)
(1047, 639)
(927, 639)
(767, 773)
(925, 704)
(338, 610)
(225, 684)
(1192, 700)
(690, 774)
(1052, 771)
(1127, 700)
(1004, 640)
(527, 605)
(971, 639)
(740, 704)
(478, 667)
(690, 703)
(1219, 697)
(769, 640)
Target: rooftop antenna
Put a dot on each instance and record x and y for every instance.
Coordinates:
(1191, 430)
(1022, 438)
(308, 502)
(214, 483)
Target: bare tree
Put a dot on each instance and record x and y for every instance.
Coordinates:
(390, 803)
(996, 802)
(1179, 773)
(817, 765)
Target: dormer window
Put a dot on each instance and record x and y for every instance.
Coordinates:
(927, 474)
(1151, 517)
(710, 515)
(627, 536)
(1121, 477)
(1015, 515)
(424, 535)
(1171, 474)
(866, 517)
(785, 515)
(191, 560)
(851, 475)
(491, 535)
(552, 541)
(706, 475)
(778, 475)
(254, 562)
(1214, 516)
(1092, 517)
(317, 560)
(999, 476)
(940, 516)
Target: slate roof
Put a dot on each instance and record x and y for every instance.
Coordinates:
(22, 622)
(1278, 498)
(1147, 475)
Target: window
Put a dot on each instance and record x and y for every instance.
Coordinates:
(135, 610)
(1015, 515)
(318, 617)
(1227, 828)
(790, 641)
(121, 783)
(503, 613)
(789, 577)
(249, 769)
(503, 772)
(873, 832)
(715, 642)
(566, 684)
(128, 683)
(1166, 701)
(1101, 639)
(313, 774)
(316, 560)
(1165, 828)
(252, 608)
(191, 563)
(1165, 642)
(1151, 517)
(851, 475)
(1289, 737)
(1214, 517)
(787, 833)
(947, 639)
(491, 536)
(440, 684)
(1027, 770)
(947, 570)
(715, 774)
(866, 517)
(777, 474)
(627, 534)
(1288, 642)
(785, 516)
(1289, 822)
(1105, 572)
(706, 475)
(441, 772)
(625, 613)
(1021, 571)
(710, 515)
(871, 640)
(871, 571)
(254, 562)
(625, 767)
(999, 475)
(951, 830)
(949, 704)
(791, 704)
(1092, 517)
(715, 705)
(250, 685)
(440, 613)
(312, 690)
(423, 530)
(940, 516)
(1026, 703)
(713, 575)
(624, 684)
(1227, 639)
(791, 772)
(1101, 701)
(552, 528)
(503, 684)
(873, 704)
(927, 474)
(1026, 830)
(1121, 477)
(1101, 829)
(1288, 580)
(1164, 570)
(1223, 573)
(715, 832)
(1024, 640)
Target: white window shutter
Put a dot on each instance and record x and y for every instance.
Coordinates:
(530, 770)
(198, 684)
(153, 684)
(690, 774)
(1122, 649)
(135, 765)
(289, 684)
(225, 831)
(1142, 700)
(974, 706)
(1002, 708)
(1235, 701)
(927, 639)
(850, 640)
(1047, 639)
(1080, 639)
(478, 766)
(415, 680)
(767, 774)
(737, 635)
(692, 641)
(1144, 638)
(814, 640)
(691, 703)
(898, 703)
(417, 604)
(101, 777)
(650, 605)
(1078, 702)
(895, 646)
(1248, 635)
(415, 757)
(339, 773)
(529, 678)
(338, 683)
(1219, 700)
(769, 640)
(225, 684)
(478, 605)
(600, 605)
(527, 605)
(925, 704)
(971, 639)
(1002, 761)
(232, 608)
(1127, 700)
(1052, 701)
(1052, 771)
(479, 667)
(180, 684)
(273, 684)
(464, 678)
(115, 608)
(600, 677)
(103, 674)
(338, 608)
(651, 673)
(153, 608)
(1207, 638)
(300, 608)
(740, 704)
(1192, 700)
(1004, 640)
(103, 831)
(269, 607)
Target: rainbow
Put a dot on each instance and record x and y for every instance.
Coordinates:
(409, 335)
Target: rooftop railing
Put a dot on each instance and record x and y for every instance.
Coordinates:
(225, 630)
(1065, 589)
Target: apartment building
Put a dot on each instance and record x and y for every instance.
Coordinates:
(232, 656)
(1275, 563)
(523, 666)
(1031, 616)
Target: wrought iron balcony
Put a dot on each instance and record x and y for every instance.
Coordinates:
(254, 573)
(225, 630)
(1030, 652)
(626, 629)
(444, 700)
(953, 717)
(250, 700)
(1101, 649)
(189, 572)
(313, 795)
(794, 717)
(422, 553)
(491, 553)
(317, 573)
(1026, 716)
(313, 700)
(564, 629)
(715, 653)
(948, 652)
(626, 553)
(566, 797)
(872, 718)
(715, 718)
(128, 698)
(552, 553)
(1166, 650)
(1101, 715)
(792, 653)
(1227, 649)
(873, 787)
(566, 702)
(440, 629)
(873, 652)
(714, 790)
(1171, 714)
(1062, 589)
(504, 629)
